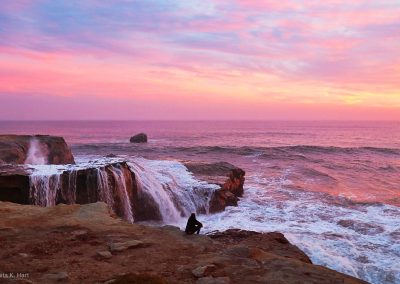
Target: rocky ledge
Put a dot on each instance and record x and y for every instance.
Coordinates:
(14, 149)
(114, 183)
(85, 244)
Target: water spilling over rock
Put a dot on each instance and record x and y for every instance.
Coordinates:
(136, 191)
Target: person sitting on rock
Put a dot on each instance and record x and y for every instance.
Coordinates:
(193, 226)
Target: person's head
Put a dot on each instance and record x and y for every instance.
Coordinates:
(193, 215)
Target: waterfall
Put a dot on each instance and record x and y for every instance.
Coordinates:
(123, 193)
(71, 193)
(138, 190)
(147, 182)
(50, 185)
(173, 188)
(43, 189)
(105, 194)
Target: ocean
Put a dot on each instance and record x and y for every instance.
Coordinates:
(333, 188)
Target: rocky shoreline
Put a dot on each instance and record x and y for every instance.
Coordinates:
(86, 241)
(87, 244)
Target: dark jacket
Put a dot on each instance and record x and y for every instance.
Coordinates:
(192, 224)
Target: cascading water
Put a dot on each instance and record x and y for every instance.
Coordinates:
(173, 187)
(103, 186)
(50, 185)
(147, 182)
(71, 193)
(123, 193)
(167, 186)
(43, 189)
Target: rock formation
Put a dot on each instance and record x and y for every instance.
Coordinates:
(113, 183)
(14, 184)
(139, 138)
(117, 184)
(84, 244)
(227, 176)
(18, 149)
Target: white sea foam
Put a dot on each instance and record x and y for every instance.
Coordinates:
(311, 223)
(37, 153)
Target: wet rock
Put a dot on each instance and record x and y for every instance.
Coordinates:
(121, 246)
(14, 186)
(139, 138)
(212, 280)
(202, 271)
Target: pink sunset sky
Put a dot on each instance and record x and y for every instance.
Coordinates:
(200, 59)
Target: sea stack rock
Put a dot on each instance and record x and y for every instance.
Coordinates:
(139, 138)
(34, 149)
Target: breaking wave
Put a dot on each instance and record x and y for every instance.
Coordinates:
(359, 239)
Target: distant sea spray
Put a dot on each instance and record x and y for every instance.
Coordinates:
(37, 153)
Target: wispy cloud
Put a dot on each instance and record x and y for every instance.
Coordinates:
(270, 52)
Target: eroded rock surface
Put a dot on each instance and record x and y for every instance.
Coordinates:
(62, 243)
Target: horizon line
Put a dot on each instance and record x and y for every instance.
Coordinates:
(199, 120)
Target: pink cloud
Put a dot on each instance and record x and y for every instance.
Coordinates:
(236, 52)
